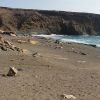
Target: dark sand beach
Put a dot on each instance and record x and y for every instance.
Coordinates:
(47, 70)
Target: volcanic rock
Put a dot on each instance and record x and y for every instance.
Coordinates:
(12, 71)
(69, 97)
(48, 22)
(4, 44)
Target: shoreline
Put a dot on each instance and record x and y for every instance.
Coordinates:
(48, 69)
(66, 41)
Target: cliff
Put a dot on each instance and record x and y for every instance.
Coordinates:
(49, 22)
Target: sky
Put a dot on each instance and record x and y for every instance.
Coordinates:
(90, 6)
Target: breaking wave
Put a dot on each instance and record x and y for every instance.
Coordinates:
(85, 39)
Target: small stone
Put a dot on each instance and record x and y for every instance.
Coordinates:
(20, 69)
(7, 43)
(36, 54)
(82, 53)
(13, 35)
(12, 71)
(17, 49)
(65, 96)
(58, 47)
(25, 51)
(32, 42)
(57, 41)
(79, 61)
(93, 45)
(4, 48)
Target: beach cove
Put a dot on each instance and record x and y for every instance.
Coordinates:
(48, 69)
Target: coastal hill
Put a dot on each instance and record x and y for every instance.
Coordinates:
(27, 21)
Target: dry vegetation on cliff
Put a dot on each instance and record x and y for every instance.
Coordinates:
(58, 22)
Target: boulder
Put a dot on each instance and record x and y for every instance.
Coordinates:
(12, 71)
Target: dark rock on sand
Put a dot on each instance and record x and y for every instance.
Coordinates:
(57, 41)
(82, 53)
(3, 48)
(12, 71)
(93, 45)
(78, 52)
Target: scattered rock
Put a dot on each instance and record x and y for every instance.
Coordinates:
(93, 45)
(82, 53)
(7, 42)
(57, 41)
(25, 41)
(12, 60)
(4, 45)
(13, 35)
(65, 96)
(12, 71)
(3, 75)
(32, 42)
(25, 51)
(73, 48)
(9, 33)
(36, 54)
(12, 47)
(3, 48)
(1, 40)
(20, 69)
(69, 43)
(21, 41)
(1, 31)
(58, 47)
(18, 49)
(77, 52)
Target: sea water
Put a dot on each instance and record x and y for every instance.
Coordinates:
(85, 39)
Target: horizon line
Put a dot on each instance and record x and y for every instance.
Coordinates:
(48, 10)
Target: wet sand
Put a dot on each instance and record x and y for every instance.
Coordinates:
(56, 69)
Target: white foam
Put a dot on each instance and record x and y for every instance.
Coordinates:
(73, 40)
(98, 45)
(94, 40)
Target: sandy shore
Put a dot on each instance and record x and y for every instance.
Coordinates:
(56, 69)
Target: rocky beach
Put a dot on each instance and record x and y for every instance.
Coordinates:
(49, 70)
(38, 68)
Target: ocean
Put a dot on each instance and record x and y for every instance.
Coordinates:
(85, 39)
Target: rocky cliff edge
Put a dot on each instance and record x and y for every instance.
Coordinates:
(27, 21)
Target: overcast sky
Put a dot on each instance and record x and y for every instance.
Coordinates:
(91, 6)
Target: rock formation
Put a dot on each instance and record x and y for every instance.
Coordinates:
(49, 22)
(5, 44)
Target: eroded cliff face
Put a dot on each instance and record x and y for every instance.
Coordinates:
(49, 22)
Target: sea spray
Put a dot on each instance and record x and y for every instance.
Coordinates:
(85, 39)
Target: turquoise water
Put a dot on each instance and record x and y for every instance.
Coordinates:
(85, 39)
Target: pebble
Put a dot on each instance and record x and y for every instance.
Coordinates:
(65, 96)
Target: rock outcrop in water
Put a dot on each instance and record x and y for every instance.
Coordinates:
(49, 22)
